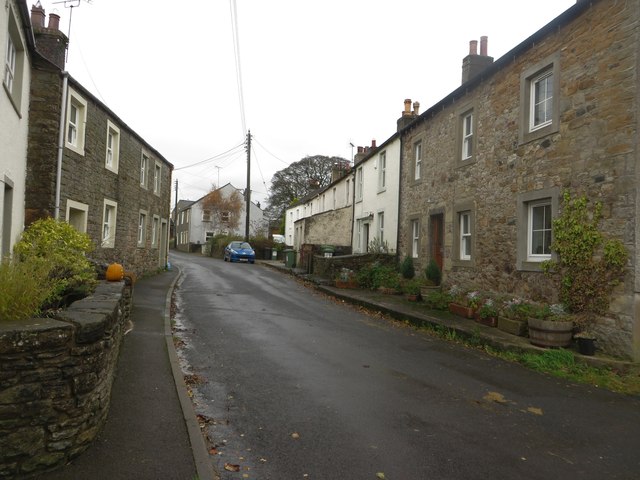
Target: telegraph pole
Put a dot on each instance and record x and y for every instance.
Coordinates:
(175, 220)
(247, 192)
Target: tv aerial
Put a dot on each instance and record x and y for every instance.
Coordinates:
(71, 4)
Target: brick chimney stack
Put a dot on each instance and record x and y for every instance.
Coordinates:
(473, 63)
(51, 43)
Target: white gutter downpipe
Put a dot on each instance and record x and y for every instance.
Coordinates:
(63, 115)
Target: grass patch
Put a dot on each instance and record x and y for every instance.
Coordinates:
(560, 363)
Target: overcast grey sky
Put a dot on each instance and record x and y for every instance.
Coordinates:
(316, 76)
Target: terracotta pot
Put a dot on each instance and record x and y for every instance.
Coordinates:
(461, 310)
(547, 333)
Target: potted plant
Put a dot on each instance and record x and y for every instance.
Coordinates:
(550, 326)
(433, 277)
(433, 273)
(346, 279)
(464, 303)
(412, 289)
(513, 316)
(407, 269)
(487, 314)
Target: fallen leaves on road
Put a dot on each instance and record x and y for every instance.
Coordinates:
(230, 467)
(295, 435)
(380, 475)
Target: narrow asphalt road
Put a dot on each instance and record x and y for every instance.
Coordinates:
(300, 386)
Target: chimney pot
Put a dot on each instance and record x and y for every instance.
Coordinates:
(483, 45)
(37, 15)
(407, 107)
(373, 143)
(473, 47)
(54, 22)
(416, 108)
(360, 149)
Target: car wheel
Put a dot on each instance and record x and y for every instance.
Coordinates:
(252, 261)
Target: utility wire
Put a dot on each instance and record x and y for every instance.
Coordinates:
(220, 155)
(236, 51)
(259, 169)
(274, 156)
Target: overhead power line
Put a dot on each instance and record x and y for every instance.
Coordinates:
(215, 157)
(236, 51)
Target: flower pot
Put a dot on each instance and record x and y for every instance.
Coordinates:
(488, 321)
(413, 297)
(548, 333)
(427, 289)
(512, 326)
(461, 310)
(346, 284)
(586, 346)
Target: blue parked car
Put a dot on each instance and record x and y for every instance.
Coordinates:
(239, 252)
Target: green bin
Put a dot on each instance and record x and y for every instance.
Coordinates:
(289, 258)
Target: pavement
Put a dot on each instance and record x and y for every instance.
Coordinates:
(152, 431)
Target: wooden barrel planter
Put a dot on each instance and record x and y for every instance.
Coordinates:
(549, 333)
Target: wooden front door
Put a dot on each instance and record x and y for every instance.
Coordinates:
(436, 239)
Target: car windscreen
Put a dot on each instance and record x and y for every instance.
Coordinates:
(245, 246)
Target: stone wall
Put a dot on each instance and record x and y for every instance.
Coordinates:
(332, 227)
(591, 150)
(55, 381)
(329, 267)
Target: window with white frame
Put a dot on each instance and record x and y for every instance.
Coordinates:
(467, 135)
(465, 235)
(539, 228)
(541, 101)
(15, 61)
(155, 231)
(76, 122)
(417, 160)
(113, 147)
(144, 166)
(359, 184)
(109, 215)
(206, 215)
(208, 236)
(157, 178)
(382, 171)
(225, 217)
(142, 228)
(10, 64)
(77, 214)
(381, 227)
(415, 238)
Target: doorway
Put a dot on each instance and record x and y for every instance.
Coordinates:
(436, 239)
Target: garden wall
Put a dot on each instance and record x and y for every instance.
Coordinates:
(55, 380)
(329, 267)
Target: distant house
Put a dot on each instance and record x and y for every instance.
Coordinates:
(197, 221)
(87, 167)
(18, 48)
(483, 170)
(324, 216)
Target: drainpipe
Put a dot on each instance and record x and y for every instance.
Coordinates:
(63, 114)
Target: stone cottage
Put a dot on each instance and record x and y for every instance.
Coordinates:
(483, 170)
(87, 167)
